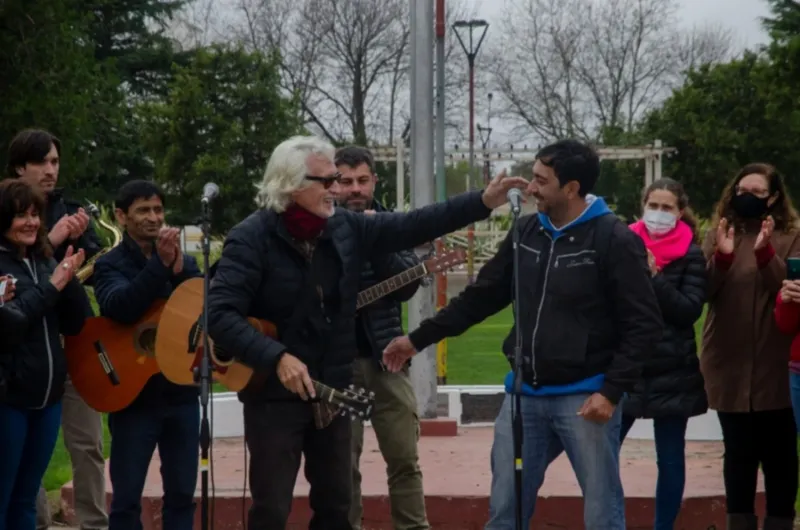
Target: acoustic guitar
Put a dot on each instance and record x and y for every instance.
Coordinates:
(179, 347)
(109, 363)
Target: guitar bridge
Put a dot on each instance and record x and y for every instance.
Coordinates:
(194, 336)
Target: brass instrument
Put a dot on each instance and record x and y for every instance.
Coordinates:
(85, 272)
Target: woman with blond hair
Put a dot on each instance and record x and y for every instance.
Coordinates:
(744, 355)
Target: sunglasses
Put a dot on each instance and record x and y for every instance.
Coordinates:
(327, 182)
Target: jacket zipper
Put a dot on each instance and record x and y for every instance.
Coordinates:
(31, 264)
(539, 310)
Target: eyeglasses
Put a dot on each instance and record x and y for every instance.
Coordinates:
(327, 182)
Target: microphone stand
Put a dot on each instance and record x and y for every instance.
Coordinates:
(516, 409)
(203, 374)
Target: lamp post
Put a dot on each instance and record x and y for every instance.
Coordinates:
(471, 26)
(485, 141)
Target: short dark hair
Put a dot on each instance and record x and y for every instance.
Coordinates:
(572, 160)
(30, 146)
(354, 156)
(16, 196)
(136, 189)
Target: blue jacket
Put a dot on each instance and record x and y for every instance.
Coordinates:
(126, 284)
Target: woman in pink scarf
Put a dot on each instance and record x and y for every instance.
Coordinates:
(672, 388)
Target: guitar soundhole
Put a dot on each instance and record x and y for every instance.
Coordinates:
(146, 341)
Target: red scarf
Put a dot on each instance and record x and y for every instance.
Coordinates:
(302, 224)
(669, 247)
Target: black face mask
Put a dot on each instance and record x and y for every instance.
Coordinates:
(749, 206)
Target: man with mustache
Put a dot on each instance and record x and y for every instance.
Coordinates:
(34, 155)
(395, 419)
(146, 267)
(589, 316)
(297, 263)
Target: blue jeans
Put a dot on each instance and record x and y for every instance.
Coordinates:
(551, 425)
(27, 440)
(670, 435)
(136, 432)
(794, 387)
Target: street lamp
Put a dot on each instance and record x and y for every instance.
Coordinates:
(471, 26)
(485, 141)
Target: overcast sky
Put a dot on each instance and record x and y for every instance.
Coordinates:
(739, 15)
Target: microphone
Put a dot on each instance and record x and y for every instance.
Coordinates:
(514, 196)
(210, 192)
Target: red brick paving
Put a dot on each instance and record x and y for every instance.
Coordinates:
(457, 478)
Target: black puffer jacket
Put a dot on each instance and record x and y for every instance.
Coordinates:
(262, 274)
(672, 384)
(32, 362)
(382, 320)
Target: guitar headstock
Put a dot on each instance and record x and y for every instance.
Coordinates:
(357, 403)
(446, 260)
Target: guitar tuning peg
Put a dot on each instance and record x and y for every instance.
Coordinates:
(351, 387)
(372, 394)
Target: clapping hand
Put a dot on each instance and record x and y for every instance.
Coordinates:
(725, 236)
(651, 262)
(65, 270)
(495, 193)
(69, 227)
(767, 226)
(168, 246)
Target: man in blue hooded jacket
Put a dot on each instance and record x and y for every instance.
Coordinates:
(588, 313)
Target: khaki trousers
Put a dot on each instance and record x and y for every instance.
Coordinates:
(396, 426)
(82, 428)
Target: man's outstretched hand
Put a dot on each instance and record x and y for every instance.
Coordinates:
(397, 353)
(495, 193)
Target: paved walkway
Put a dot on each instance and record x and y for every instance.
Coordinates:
(457, 478)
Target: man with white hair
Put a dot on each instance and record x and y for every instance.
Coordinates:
(296, 262)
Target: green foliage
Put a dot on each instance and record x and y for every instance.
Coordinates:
(51, 80)
(724, 117)
(223, 118)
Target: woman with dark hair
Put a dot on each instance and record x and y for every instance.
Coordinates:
(671, 389)
(47, 302)
(745, 356)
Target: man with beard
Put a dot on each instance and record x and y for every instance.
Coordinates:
(147, 266)
(34, 156)
(394, 419)
(589, 316)
(297, 262)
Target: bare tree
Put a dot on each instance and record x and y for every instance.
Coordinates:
(576, 67)
(347, 61)
(200, 23)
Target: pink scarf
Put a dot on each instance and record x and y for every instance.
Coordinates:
(669, 247)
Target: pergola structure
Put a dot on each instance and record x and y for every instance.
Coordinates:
(651, 154)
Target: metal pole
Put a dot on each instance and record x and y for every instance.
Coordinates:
(472, 53)
(471, 181)
(420, 307)
(401, 176)
(441, 181)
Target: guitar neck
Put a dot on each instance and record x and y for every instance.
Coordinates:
(369, 295)
(324, 392)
